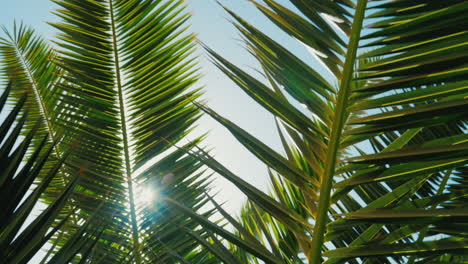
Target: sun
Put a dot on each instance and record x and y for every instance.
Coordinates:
(147, 195)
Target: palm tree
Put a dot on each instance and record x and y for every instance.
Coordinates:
(374, 169)
(114, 98)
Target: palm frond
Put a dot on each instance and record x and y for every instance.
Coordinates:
(388, 139)
(22, 186)
(129, 66)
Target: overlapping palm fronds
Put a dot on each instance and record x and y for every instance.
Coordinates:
(24, 179)
(374, 168)
(118, 90)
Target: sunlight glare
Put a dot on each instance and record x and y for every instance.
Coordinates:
(147, 195)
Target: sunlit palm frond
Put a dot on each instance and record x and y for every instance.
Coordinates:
(383, 146)
(130, 68)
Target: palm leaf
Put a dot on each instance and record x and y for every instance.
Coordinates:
(22, 233)
(129, 70)
(405, 98)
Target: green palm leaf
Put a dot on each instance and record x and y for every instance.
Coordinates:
(117, 97)
(22, 232)
(374, 169)
(405, 98)
(129, 68)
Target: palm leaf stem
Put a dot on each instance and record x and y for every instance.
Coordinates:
(39, 99)
(315, 253)
(126, 145)
(41, 104)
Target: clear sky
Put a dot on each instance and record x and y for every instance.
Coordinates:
(211, 24)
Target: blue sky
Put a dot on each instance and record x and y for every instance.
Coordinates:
(211, 24)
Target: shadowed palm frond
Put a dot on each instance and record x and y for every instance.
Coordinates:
(27, 224)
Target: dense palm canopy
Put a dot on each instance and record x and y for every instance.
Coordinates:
(373, 170)
(115, 95)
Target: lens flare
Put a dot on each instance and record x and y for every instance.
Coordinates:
(147, 195)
